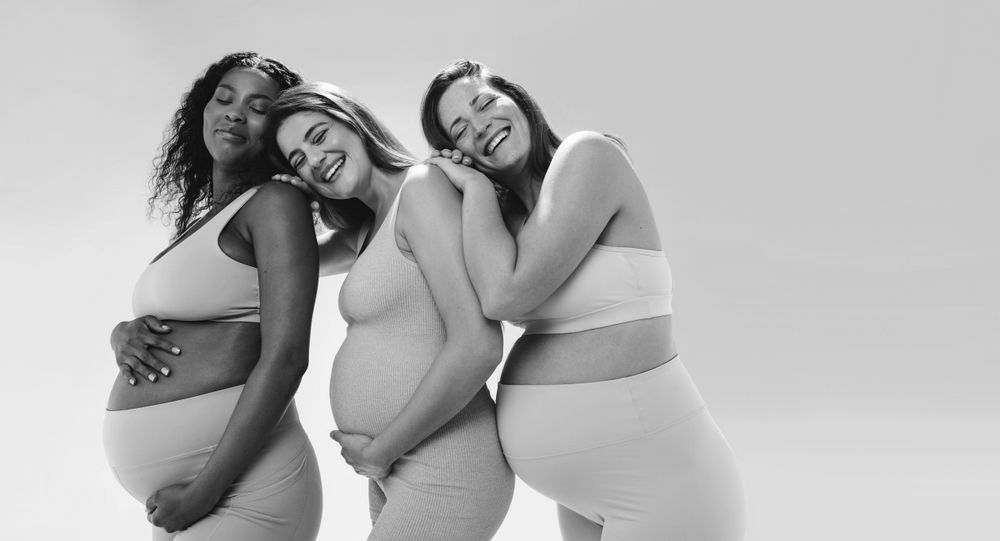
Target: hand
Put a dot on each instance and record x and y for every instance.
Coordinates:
(354, 449)
(456, 168)
(131, 341)
(454, 155)
(176, 507)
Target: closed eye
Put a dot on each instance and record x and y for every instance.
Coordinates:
(319, 137)
(486, 103)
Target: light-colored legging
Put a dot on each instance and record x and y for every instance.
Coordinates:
(278, 496)
(631, 459)
(454, 486)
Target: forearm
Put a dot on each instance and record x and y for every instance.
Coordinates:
(265, 396)
(489, 249)
(455, 376)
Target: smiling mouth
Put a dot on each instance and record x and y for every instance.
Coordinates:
(497, 139)
(333, 170)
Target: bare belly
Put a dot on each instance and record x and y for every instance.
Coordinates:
(600, 354)
(214, 355)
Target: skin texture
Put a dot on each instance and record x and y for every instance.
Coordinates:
(590, 194)
(272, 232)
(428, 231)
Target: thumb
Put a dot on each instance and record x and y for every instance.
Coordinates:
(337, 436)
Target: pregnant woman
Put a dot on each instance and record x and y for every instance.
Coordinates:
(408, 384)
(215, 450)
(595, 410)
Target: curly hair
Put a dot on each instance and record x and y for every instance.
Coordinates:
(384, 150)
(182, 174)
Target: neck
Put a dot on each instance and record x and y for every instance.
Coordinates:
(226, 179)
(381, 191)
(523, 186)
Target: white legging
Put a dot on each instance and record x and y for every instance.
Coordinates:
(636, 458)
(278, 496)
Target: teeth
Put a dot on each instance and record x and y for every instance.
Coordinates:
(496, 140)
(333, 170)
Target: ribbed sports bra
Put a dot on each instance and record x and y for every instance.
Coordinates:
(612, 285)
(194, 280)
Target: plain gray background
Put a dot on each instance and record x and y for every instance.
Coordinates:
(825, 180)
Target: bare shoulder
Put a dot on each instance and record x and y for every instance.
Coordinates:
(426, 187)
(590, 145)
(275, 200)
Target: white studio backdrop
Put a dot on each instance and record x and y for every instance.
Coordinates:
(824, 177)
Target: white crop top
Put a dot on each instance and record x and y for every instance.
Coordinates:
(612, 285)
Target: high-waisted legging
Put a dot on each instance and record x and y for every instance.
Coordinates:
(454, 486)
(636, 458)
(277, 497)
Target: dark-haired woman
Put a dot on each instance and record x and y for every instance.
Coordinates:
(594, 408)
(215, 450)
(408, 384)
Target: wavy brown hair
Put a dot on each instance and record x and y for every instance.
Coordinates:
(182, 174)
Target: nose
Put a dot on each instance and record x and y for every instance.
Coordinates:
(236, 115)
(314, 157)
(480, 126)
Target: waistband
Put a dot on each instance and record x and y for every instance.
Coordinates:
(140, 436)
(535, 421)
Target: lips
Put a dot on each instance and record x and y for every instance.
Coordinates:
(495, 141)
(231, 135)
(331, 171)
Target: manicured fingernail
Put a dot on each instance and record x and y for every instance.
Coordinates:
(176, 350)
(131, 381)
(164, 327)
(165, 370)
(152, 377)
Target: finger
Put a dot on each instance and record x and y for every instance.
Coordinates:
(154, 364)
(467, 161)
(151, 503)
(163, 344)
(337, 436)
(139, 366)
(126, 371)
(446, 153)
(155, 325)
(435, 153)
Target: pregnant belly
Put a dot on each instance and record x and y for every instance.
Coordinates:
(374, 376)
(214, 355)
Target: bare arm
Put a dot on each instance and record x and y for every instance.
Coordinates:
(579, 196)
(285, 252)
(429, 216)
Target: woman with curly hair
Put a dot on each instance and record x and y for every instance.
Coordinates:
(594, 408)
(215, 449)
(408, 385)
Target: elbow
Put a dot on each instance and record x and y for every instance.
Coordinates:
(485, 347)
(498, 306)
(502, 308)
(292, 366)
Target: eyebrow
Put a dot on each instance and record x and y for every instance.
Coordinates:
(472, 103)
(251, 96)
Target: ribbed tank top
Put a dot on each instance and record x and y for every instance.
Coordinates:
(394, 333)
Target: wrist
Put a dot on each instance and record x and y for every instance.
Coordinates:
(205, 491)
(377, 454)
